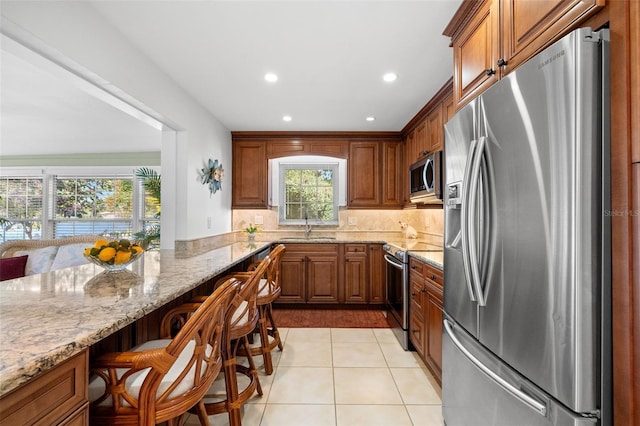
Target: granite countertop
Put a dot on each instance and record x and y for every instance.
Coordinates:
(48, 318)
(435, 259)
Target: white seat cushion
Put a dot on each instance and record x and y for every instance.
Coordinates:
(39, 260)
(135, 381)
(70, 255)
(240, 315)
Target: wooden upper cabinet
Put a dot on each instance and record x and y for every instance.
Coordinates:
(475, 51)
(436, 132)
(391, 176)
(332, 147)
(421, 141)
(364, 174)
(249, 181)
(491, 38)
(448, 110)
(528, 25)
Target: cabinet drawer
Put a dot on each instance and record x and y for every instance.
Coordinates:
(355, 249)
(311, 248)
(416, 266)
(49, 398)
(434, 275)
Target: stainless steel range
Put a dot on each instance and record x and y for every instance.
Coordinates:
(397, 284)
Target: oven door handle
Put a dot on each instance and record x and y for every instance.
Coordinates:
(392, 260)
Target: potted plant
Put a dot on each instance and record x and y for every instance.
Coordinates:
(251, 231)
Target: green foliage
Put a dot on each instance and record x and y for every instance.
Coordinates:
(309, 193)
(151, 182)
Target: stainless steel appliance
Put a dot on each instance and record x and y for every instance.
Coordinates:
(397, 284)
(527, 337)
(425, 179)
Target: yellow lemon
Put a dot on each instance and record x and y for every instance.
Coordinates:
(101, 243)
(87, 251)
(138, 249)
(106, 254)
(122, 257)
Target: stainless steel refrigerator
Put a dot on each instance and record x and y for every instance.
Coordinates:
(526, 334)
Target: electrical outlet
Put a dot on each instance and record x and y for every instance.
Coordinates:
(208, 222)
(353, 221)
(259, 220)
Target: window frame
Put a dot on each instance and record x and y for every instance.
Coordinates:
(282, 202)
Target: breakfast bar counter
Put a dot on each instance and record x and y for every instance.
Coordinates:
(46, 319)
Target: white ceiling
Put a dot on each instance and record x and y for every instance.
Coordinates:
(329, 55)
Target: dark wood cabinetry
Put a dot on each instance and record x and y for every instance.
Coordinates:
(58, 396)
(374, 178)
(356, 274)
(491, 38)
(249, 182)
(350, 273)
(377, 275)
(425, 314)
(374, 174)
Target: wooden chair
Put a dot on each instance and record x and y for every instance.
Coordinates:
(160, 380)
(268, 291)
(241, 320)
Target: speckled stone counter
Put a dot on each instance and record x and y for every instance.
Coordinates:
(432, 258)
(48, 318)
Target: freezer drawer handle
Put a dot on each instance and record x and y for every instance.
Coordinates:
(526, 399)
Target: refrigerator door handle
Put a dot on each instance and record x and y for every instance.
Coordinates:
(464, 213)
(471, 221)
(508, 387)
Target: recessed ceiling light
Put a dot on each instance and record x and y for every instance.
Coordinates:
(286, 118)
(271, 77)
(370, 118)
(389, 77)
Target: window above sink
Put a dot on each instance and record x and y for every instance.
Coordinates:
(307, 190)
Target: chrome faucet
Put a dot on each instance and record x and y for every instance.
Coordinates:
(307, 227)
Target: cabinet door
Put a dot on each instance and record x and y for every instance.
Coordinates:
(391, 174)
(322, 278)
(417, 319)
(355, 278)
(530, 25)
(433, 342)
(436, 133)
(292, 278)
(421, 140)
(448, 110)
(249, 187)
(475, 51)
(364, 174)
(377, 275)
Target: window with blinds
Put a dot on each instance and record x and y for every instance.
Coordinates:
(21, 212)
(88, 205)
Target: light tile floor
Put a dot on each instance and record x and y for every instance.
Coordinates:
(340, 377)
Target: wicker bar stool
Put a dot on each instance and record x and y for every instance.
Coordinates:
(160, 380)
(268, 291)
(241, 320)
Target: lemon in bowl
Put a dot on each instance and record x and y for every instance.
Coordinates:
(113, 255)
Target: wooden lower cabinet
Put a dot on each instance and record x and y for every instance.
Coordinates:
(377, 275)
(425, 314)
(322, 277)
(58, 396)
(320, 273)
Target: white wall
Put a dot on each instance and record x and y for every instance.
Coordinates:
(79, 34)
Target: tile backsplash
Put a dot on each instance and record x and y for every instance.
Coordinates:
(428, 222)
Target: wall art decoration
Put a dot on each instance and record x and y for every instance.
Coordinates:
(212, 175)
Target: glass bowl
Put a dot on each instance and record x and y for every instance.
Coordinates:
(111, 267)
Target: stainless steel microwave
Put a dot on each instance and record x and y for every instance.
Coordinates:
(425, 179)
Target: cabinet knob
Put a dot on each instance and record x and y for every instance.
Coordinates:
(414, 294)
(424, 289)
(490, 71)
(433, 277)
(414, 267)
(502, 62)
